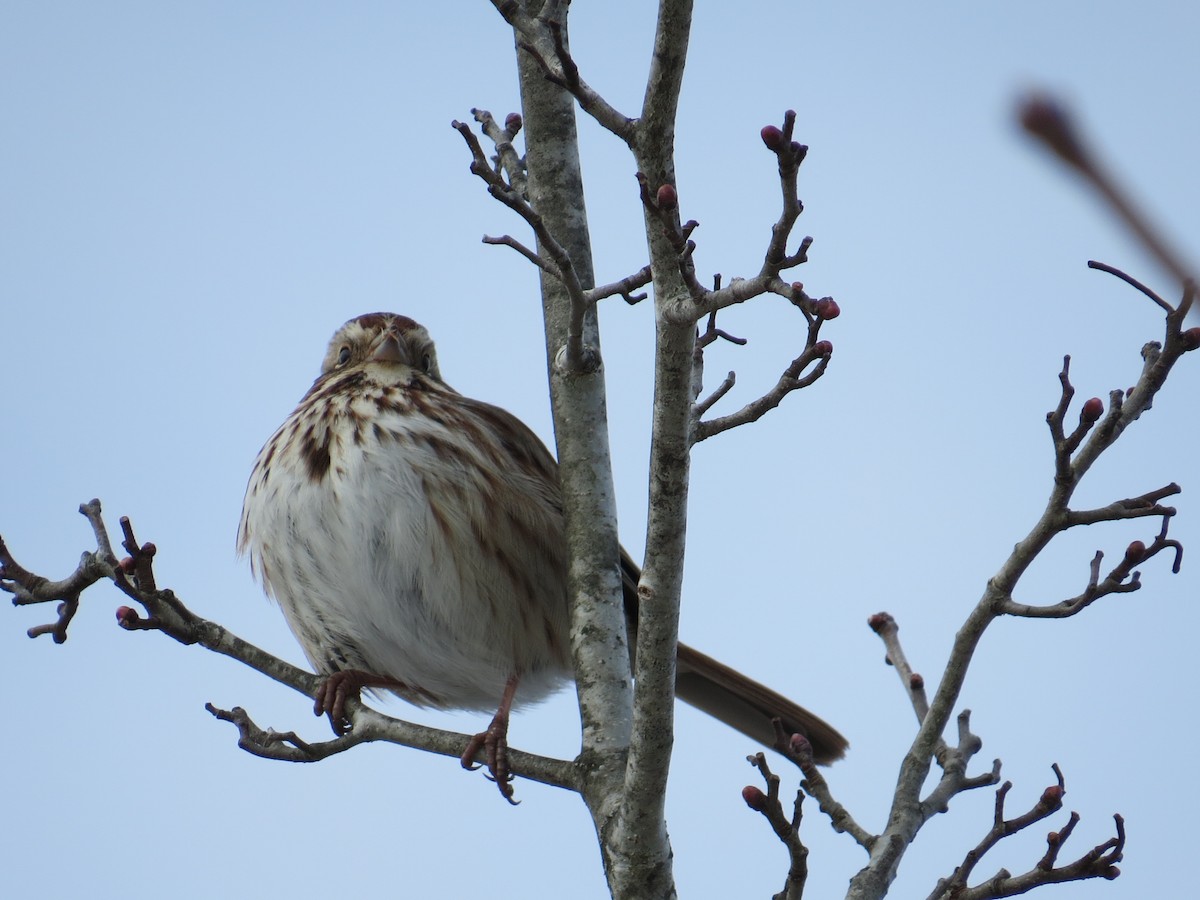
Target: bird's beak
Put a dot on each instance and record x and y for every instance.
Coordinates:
(389, 349)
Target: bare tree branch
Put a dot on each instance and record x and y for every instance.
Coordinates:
(1099, 862)
(1074, 456)
(796, 376)
(884, 625)
(797, 749)
(28, 588)
(560, 263)
(1114, 583)
(507, 240)
(624, 287)
(1130, 280)
(785, 828)
(544, 37)
(165, 613)
(507, 160)
(599, 642)
(952, 760)
(789, 155)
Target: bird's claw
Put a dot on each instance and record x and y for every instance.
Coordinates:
(494, 744)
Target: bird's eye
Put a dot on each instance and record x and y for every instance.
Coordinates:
(427, 363)
(344, 356)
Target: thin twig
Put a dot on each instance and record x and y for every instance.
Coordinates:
(1130, 280)
(564, 269)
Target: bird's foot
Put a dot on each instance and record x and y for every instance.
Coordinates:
(346, 685)
(494, 744)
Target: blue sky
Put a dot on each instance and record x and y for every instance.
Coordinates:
(195, 197)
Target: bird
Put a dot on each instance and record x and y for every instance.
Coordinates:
(413, 538)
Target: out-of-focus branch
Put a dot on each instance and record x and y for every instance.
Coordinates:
(1049, 120)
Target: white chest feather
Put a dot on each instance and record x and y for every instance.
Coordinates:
(425, 551)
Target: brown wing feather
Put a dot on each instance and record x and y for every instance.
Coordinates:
(728, 695)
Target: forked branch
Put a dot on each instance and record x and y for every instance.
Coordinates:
(1099, 862)
(1075, 451)
(544, 38)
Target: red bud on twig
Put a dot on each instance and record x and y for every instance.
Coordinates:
(754, 797)
(1052, 796)
(879, 621)
(800, 744)
(827, 308)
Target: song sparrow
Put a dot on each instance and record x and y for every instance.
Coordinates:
(414, 540)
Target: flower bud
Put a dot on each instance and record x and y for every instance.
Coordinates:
(754, 797)
(799, 744)
(823, 348)
(1092, 410)
(879, 621)
(1191, 339)
(667, 198)
(827, 308)
(772, 137)
(1052, 796)
(1135, 552)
